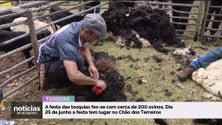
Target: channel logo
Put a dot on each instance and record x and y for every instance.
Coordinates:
(26, 110)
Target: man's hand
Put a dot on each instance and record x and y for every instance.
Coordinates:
(93, 72)
(101, 84)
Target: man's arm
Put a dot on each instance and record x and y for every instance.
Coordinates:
(87, 54)
(79, 78)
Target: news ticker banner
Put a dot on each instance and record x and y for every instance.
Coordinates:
(65, 107)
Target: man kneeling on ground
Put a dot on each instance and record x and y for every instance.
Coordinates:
(61, 57)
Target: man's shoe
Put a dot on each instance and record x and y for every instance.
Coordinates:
(186, 73)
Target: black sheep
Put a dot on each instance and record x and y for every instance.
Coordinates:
(92, 4)
(7, 35)
(55, 17)
(7, 20)
(108, 72)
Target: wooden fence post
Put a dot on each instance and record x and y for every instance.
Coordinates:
(204, 21)
(32, 33)
(199, 17)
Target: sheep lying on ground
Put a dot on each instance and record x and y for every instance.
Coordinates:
(210, 77)
(108, 72)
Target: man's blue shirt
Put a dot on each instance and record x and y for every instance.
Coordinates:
(63, 44)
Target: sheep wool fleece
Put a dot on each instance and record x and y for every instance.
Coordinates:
(210, 77)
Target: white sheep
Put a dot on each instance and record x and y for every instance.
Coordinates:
(210, 77)
(24, 27)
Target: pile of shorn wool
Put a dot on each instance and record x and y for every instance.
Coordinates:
(210, 77)
(151, 24)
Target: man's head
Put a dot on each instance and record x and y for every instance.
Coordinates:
(95, 26)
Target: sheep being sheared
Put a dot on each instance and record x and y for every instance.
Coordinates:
(108, 72)
(210, 77)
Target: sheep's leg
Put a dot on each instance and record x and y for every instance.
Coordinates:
(28, 55)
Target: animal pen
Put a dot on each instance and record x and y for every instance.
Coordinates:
(39, 10)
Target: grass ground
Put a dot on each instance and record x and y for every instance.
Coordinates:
(157, 85)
